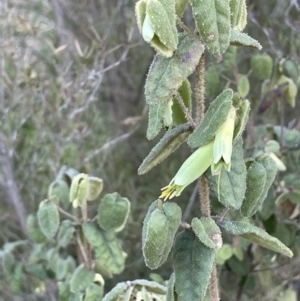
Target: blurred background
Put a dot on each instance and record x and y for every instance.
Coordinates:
(72, 77)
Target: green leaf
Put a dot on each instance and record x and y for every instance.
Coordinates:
(230, 187)
(94, 292)
(65, 233)
(167, 145)
(64, 291)
(242, 39)
(34, 230)
(242, 115)
(155, 119)
(171, 293)
(193, 263)
(223, 254)
(113, 212)
(207, 232)
(95, 188)
(60, 189)
(151, 286)
(79, 190)
(162, 17)
(166, 75)
(213, 22)
(238, 14)
(48, 218)
(81, 279)
(256, 181)
(159, 229)
(243, 86)
(117, 291)
(108, 252)
(255, 235)
(180, 6)
(37, 270)
(262, 65)
(156, 22)
(214, 117)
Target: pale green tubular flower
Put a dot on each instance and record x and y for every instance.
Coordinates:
(193, 167)
(222, 148)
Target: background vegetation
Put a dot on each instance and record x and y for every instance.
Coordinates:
(71, 93)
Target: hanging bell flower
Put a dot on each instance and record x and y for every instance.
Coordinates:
(193, 167)
(216, 153)
(222, 148)
(156, 20)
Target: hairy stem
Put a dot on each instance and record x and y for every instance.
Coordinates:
(213, 285)
(203, 184)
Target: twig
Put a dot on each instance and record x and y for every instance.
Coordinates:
(109, 144)
(82, 250)
(62, 211)
(185, 109)
(182, 25)
(213, 285)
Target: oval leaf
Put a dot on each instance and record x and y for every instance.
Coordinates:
(159, 229)
(81, 279)
(48, 218)
(207, 232)
(193, 263)
(213, 22)
(113, 212)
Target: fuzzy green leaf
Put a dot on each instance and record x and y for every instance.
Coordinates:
(109, 254)
(34, 230)
(213, 22)
(65, 233)
(81, 279)
(171, 293)
(166, 146)
(243, 86)
(113, 212)
(117, 291)
(242, 115)
(95, 188)
(256, 235)
(193, 263)
(207, 232)
(159, 230)
(48, 218)
(60, 189)
(94, 292)
(262, 65)
(256, 181)
(214, 117)
(151, 286)
(242, 39)
(166, 75)
(230, 187)
(180, 6)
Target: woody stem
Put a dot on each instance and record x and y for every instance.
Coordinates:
(203, 184)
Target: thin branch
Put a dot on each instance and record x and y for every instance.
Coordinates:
(62, 211)
(185, 110)
(109, 144)
(182, 25)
